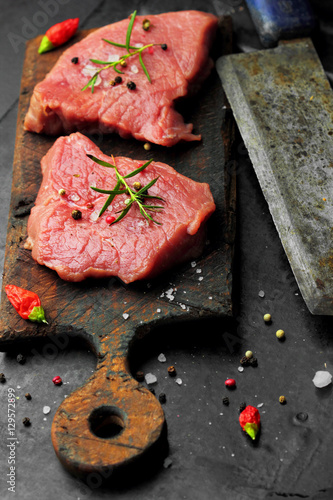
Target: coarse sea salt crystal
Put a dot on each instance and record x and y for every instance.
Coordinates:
(46, 410)
(198, 271)
(74, 197)
(240, 369)
(134, 69)
(94, 216)
(125, 316)
(179, 381)
(150, 378)
(193, 264)
(322, 379)
(161, 358)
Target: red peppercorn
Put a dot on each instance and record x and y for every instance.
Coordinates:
(230, 383)
(57, 380)
(109, 219)
(151, 50)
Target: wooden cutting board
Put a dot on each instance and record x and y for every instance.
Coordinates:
(112, 419)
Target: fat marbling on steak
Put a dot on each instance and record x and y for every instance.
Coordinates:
(132, 248)
(59, 106)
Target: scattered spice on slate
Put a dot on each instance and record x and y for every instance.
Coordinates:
(20, 359)
(280, 334)
(26, 421)
(249, 421)
(162, 397)
(75, 60)
(164, 46)
(225, 401)
(131, 85)
(28, 396)
(267, 318)
(77, 214)
(57, 380)
(2, 378)
(242, 407)
(253, 362)
(140, 376)
(172, 371)
(152, 390)
(249, 354)
(230, 383)
(282, 400)
(244, 361)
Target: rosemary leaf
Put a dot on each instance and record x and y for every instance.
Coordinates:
(97, 61)
(104, 191)
(121, 45)
(109, 200)
(122, 215)
(129, 31)
(144, 67)
(131, 174)
(89, 83)
(146, 187)
(101, 162)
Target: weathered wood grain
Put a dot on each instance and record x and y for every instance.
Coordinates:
(94, 309)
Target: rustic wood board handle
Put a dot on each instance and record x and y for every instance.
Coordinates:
(93, 310)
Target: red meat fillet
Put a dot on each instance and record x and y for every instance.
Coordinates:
(132, 248)
(59, 106)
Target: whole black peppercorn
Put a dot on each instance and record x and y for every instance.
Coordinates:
(28, 395)
(139, 376)
(20, 359)
(225, 401)
(254, 362)
(2, 378)
(162, 397)
(172, 371)
(244, 361)
(131, 85)
(75, 60)
(77, 214)
(242, 407)
(26, 421)
(152, 390)
(118, 79)
(164, 46)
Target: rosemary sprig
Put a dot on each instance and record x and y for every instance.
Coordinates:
(122, 60)
(135, 196)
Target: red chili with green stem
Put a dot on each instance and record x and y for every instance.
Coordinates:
(249, 420)
(58, 34)
(26, 303)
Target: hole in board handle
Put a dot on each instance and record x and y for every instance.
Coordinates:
(106, 422)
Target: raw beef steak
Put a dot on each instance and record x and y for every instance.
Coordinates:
(132, 248)
(59, 106)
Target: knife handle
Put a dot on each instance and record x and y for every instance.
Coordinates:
(281, 19)
(107, 424)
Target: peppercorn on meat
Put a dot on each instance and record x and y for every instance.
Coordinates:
(133, 248)
(167, 61)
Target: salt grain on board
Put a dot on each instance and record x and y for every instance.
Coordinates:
(322, 379)
(161, 358)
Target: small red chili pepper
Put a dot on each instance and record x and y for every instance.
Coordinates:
(26, 303)
(58, 34)
(57, 380)
(230, 382)
(249, 420)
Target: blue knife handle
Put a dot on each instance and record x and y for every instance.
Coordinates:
(281, 19)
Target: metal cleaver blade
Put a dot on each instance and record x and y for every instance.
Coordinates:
(283, 105)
